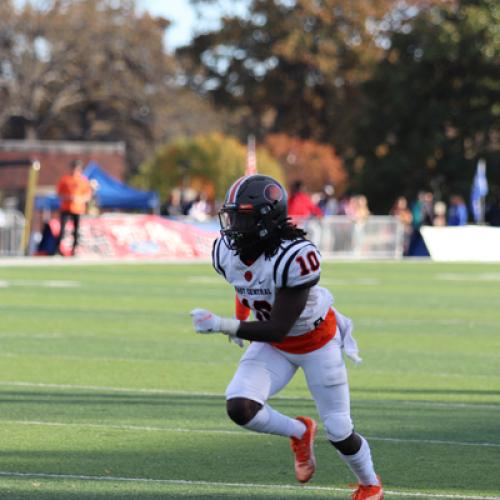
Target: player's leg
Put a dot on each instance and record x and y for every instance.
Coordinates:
(327, 380)
(262, 372)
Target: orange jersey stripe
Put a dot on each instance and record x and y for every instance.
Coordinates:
(242, 311)
(310, 341)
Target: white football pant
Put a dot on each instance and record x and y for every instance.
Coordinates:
(265, 370)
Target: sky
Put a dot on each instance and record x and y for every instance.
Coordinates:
(185, 19)
(182, 15)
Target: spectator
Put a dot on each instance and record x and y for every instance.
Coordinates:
(328, 203)
(457, 211)
(344, 203)
(423, 215)
(172, 207)
(300, 204)
(359, 211)
(362, 212)
(423, 210)
(356, 207)
(401, 211)
(439, 214)
(75, 192)
(199, 210)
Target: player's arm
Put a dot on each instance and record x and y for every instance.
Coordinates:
(288, 306)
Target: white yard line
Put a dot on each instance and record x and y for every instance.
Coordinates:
(434, 404)
(468, 277)
(107, 359)
(40, 283)
(165, 392)
(245, 486)
(227, 431)
(433, 441)
(99, 388)
(11, 335)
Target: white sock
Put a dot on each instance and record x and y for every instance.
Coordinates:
(270, 421)
(361, 464)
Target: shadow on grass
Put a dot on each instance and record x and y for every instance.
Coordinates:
(228, 457)
(239, 460)
(82, 397)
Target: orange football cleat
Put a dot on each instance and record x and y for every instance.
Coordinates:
(303, 448)
(371, 492)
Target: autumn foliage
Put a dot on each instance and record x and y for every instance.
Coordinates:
(315, 164)
(208, 163)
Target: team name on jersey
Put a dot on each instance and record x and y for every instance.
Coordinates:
(252, 291)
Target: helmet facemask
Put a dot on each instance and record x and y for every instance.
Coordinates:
(245, 228)
(239, 226)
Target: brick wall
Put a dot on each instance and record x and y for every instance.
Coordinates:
(54, 157)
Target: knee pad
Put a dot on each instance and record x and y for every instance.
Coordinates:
(338, 426)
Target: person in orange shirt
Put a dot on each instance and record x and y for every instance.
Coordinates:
(75, 192)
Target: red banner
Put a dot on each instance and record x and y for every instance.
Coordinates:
(141, 236)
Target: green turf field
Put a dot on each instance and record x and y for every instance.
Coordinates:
(107, 393)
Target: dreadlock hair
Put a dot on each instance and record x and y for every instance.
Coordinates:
(285, 231)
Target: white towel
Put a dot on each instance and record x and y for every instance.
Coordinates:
(349, 344)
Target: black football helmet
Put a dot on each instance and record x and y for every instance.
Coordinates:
(255, 207)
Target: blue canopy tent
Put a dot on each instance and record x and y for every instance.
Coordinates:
(110, 194)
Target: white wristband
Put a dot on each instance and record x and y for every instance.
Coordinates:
(229, 326)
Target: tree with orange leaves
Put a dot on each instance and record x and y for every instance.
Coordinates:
(314, 163)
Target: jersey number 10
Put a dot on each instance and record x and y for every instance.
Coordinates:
(312, 260)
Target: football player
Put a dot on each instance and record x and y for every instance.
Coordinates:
(275, 271)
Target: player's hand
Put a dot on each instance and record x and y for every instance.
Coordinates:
(205, 321)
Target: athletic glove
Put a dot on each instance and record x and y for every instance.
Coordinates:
(207, 322)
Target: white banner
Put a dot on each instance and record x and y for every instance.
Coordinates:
(463, 243)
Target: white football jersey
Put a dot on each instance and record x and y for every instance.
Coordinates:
(297, 263)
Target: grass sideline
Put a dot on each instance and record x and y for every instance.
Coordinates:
(106, 391)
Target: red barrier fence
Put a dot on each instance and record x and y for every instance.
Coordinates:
(140, 236)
